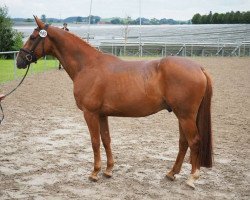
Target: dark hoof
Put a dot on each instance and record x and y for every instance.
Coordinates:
(93, 178)
(107, 174)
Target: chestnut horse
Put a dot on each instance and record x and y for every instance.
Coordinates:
(105, 85)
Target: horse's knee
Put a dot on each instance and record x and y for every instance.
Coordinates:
(95, 144)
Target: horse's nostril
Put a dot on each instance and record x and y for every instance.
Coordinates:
(20, 63)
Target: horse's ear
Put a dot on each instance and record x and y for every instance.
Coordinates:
(39, 22)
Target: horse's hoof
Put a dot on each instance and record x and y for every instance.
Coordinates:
(196, 175)
(93, 178)
(107, 174)
(190, 184)
(170, 176)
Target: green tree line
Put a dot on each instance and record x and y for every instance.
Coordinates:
(222, 18)
(145, 21)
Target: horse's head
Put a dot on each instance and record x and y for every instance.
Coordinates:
(36, 46)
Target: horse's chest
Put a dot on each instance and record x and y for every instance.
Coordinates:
(88, 95)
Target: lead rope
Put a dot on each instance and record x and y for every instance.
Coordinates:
(12, 92)
(2, 113)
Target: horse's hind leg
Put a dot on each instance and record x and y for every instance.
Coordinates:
(190, 131)
(106, 140)
(183, 146)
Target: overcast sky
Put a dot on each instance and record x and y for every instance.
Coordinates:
(175, 9)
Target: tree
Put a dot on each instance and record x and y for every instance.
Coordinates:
(196, 18)
(231, 17)
(154, 21)
(115, 21)
(144, 21)
(18, 41)
(78, 19)
(43, 18)
(126, 31)
(214, 19)
(203, 19)
(222, 18)
(9, 39)
(237, 17)
(97, 19)
(209, 17)
(246, 17)
(137, 21)
(29, 20)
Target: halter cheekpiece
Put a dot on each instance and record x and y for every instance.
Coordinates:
(30, 56)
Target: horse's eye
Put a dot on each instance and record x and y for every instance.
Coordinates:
(32, 37)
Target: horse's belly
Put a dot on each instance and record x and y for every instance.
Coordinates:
(133, 108)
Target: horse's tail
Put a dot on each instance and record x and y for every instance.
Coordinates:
(203, 122)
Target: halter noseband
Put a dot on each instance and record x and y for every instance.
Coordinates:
(30, 56)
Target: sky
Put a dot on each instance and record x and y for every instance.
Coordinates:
(175, 9)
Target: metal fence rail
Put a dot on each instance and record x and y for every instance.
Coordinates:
(180, 49)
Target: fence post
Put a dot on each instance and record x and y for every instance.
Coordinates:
(140, 50)
(45, 63)
(244, 50)
(165, 49)
(112, 47)
(203, 51)
(14, 65)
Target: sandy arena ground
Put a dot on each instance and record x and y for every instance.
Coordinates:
(45, 149)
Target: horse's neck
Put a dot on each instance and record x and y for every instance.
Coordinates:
(73, 53)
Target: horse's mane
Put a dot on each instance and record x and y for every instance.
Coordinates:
(76, 37)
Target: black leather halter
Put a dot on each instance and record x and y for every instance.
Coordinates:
(30, 56)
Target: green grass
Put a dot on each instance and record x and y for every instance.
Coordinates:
(8, 73)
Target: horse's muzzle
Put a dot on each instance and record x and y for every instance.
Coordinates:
(21, 64)
(21, 61)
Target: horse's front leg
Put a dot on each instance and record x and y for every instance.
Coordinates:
(92, 121)
(106, 140)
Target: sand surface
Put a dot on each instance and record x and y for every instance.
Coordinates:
(45, 149)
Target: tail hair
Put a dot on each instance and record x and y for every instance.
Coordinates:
(204, 125)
